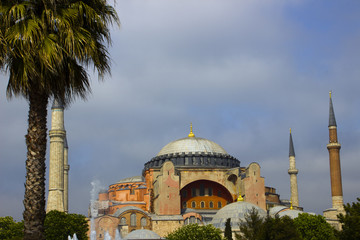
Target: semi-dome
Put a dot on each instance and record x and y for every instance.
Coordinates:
(236, 212)
(192, 145)
(142, 234)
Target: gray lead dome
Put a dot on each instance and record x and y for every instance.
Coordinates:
(193, 152)
(192, 145)
(236, 212)
(142, 234)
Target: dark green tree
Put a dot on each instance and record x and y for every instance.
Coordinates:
(228, 231)
(251, 228)
(279, 229)
(45, 47)
(314, 227)
(10, 229)
(60, 225)
(350, 222)
(195, 232)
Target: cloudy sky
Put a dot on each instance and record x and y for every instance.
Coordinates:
(243, 72)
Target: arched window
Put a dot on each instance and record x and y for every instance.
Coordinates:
(219, 204)
(143, 222)
(202, 204)
(193, 204)
(123, 221)
(133, 220)
(211, 204)
(193, 192)
(210, 191)
(202, 189)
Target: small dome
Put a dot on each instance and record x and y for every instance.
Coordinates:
(236, 212)
(191, 145)
(142, 234)
(275, 210)
(290, 213)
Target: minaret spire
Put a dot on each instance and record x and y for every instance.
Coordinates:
(293, 174)
(332, 121)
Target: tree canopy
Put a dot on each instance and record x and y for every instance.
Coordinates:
(10, 229)
(60, 225)
(350, 222)
(45, 47)
(314, 227)
(195, 232)
(251, 228)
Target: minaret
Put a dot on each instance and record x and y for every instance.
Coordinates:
(57, 133)
(334, 160)
(293, 174)
(66, 177)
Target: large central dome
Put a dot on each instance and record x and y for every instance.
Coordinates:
(193, 152)
(191, 145)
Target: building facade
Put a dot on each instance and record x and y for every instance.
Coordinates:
(188, 181)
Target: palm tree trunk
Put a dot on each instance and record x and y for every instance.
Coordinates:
(34, 199)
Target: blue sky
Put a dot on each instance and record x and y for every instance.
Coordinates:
(243, 72)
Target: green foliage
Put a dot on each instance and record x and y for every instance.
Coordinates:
(256, 228)
(60, 225)
(350, 222)
(10, 229)
(228, 231)
(314, 227)
(279, 229)
(195, 232)
(251, 228)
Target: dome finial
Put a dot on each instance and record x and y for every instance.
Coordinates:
(330, 93)
(240, 198)
(291, 206)
(191, 134)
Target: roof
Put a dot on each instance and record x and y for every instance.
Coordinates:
(127, 208)
(332, 121)
(192, 145)
(57, 104)
(132, 179)
(275, 210)
(142, 234)
(291, 147)
(236, 212)
(290, 213)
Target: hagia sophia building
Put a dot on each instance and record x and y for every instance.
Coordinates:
(190, 180)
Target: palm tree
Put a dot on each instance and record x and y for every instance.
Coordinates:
(45, 46)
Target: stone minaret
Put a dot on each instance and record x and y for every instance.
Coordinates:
(293, 174)
(334, 159)
(66, 177)
(56, 171)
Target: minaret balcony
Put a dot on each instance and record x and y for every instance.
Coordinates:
(293, 171)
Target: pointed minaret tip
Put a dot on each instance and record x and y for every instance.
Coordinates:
(332, 121)
(291, 146)
(57, 104)
(191, 134)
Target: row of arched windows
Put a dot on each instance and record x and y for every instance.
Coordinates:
(143, 221)
(202, 204)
